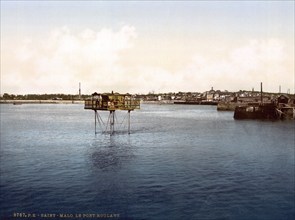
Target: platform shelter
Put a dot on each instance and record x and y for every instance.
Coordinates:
(111, 102)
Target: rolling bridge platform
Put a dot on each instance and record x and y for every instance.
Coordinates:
(111, 102)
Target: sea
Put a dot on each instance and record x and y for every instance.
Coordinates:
(178, 162)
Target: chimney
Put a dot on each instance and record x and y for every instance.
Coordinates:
(79, 90)
(261, 92)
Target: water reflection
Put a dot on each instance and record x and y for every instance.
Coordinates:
(111, 152)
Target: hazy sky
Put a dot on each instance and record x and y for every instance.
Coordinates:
(144, 46)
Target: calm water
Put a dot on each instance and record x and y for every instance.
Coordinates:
(180, 162)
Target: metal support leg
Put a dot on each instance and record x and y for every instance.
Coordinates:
(112, 122)
(95, 116)
(128, 121)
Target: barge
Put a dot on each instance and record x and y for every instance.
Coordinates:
(263, 111)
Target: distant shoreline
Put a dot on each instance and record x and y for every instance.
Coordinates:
(19, 102)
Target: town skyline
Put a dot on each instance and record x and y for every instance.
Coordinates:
(140, 47)
(79, 92)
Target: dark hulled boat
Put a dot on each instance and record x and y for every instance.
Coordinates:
(264, 111)
(258, 111)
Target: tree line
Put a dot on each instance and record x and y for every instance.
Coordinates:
(7, 96)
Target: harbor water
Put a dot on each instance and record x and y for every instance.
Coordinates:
(179, 162)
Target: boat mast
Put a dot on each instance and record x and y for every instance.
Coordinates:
(261, 98)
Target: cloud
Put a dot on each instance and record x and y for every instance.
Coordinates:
(242, 67)
(97, 59)
(63, 59)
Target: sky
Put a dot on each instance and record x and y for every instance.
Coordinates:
(146, 46)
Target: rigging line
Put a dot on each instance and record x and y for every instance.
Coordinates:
(108, 123)
(116, 117)
(122, 122)
(126, 124)
(99, 121)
